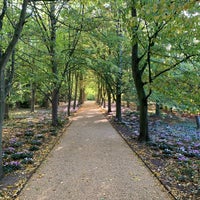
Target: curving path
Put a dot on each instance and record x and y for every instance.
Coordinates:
(92, 162)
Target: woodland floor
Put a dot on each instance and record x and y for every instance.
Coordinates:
(27, 140)
(173, 154)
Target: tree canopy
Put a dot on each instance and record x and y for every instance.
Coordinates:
(137, 51)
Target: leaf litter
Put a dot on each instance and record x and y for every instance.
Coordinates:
(173, 154)
(27, 140)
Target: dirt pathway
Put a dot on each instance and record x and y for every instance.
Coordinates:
(92, 162)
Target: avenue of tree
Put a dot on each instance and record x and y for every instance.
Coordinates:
(130, 51)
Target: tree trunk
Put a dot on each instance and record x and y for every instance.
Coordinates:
(4, 58)
(2, 106)
(33, 92)
(198, 121)
(137, 76)
(119, 75)
(69, 93)
(81, 90)
(55, 101)
(144, 136)
(157, 109)
(109, 101)
(6, 111)
(118, 107)
(76, 89)
(128, 104)
(55, 90)
(99, 93)
(81, 96)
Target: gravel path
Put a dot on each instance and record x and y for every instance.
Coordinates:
(92, 162)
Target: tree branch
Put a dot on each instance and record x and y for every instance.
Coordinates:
(3, 13)
(173, 66)
(5, 57)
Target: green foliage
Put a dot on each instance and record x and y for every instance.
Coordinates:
(87, 39)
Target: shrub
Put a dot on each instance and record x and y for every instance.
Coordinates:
(21, 155)
(11, 166)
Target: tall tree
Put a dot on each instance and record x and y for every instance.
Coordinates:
(155, 47)
(54, 31)
(4, 58)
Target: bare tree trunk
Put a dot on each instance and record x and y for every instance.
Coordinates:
(76, 89)
(109, 100)
(69, 93)
(118, 107)
(55, 90)
(6, 111)
(198, 121)
(4, 58)
(55, 100)
(2, 104)
(137, 76)
(119, 76)
(33, 92)
(81, 90)
(157, 109)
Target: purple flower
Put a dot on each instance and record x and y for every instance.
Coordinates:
(9, 150)
(197, 145)
(194, 151)
(13, 140)
(187, 139)
(182, 149)
(179, 143)
(15, 163)
(182, 158)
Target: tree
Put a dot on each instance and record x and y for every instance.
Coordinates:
(54, 27)
(155, 47)
(4, 58)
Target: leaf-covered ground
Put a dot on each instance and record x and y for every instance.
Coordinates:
(173, 154)
(27, 140)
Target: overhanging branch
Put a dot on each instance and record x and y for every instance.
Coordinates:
(173, 66)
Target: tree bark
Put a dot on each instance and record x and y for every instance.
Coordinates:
(118, 108)
(198, 121)
(4, 58)
(157, 109)
(6, 111)
(55, 90)
(2, 107)
(55, 101)
(119, 76)
(76, 89)
(144, 134)
(33, 92)
(109, 100)
(69, 93)
(81, 90)
(137, 76)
